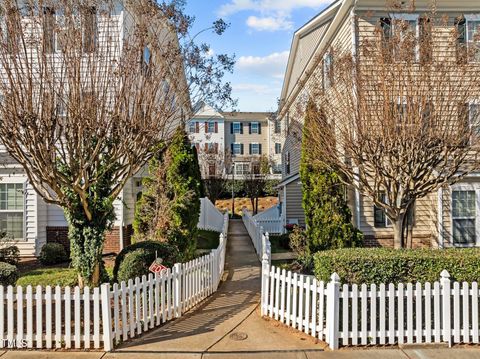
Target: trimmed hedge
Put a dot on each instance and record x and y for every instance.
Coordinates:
(167, 252)
(8, 274)
(53, 253)
(10, 255)
(383, 265)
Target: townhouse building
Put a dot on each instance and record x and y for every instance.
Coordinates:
(24, 215)
(446, 218)
(228, 143)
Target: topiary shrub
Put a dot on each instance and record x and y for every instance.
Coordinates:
(53, 253)
(383, 265)
(10, 255)
(8, 274)
(166, 251)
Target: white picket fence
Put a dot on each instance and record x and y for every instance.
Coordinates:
(211, 218)
(439, 312)
(270, 220)
(104, 316)
(259, 237)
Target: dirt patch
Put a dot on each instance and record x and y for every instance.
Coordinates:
(263, 204)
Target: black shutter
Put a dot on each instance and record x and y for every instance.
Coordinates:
(249, 128)
(259, 128)
(250, 148)
(241, 149)
(231, 148)
(231, 127)
(241, 129)
(260, 149)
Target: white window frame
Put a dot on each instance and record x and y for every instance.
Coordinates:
(471, 18)
(279, 146)
(257, 145)
(23, 211)
(472, 104)
(408, 17)
(242, 168)
(210, 130)
(192, 124)
(239, 149)
(257, 129)
(467, 187)
(235, 130)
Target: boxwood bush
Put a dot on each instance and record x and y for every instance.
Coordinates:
(8, 274)
(383, 265)
(53, 253)
(167, 252)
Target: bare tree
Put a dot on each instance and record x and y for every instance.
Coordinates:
(394, 119)
(256, 178)
(215, 164)
(90, 91)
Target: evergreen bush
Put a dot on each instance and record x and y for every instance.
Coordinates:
(53, 253)
(8, 274)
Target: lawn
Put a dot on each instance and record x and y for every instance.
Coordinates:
(208, 239)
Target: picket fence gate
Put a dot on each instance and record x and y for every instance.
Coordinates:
(441, 312)
(260, 238)
(104, 316)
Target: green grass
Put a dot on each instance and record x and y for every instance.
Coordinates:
(208, 239)
(49, 276)
(284, 264)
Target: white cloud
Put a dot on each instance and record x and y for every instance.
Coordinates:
(266, 6)
(272, 65)
(269, 23)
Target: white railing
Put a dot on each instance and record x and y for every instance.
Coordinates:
(439, 312)
(270, 220)
(210, 217)
(104, 316)
(259, 237)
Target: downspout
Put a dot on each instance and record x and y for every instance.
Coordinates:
(441, 239)
(122, 221)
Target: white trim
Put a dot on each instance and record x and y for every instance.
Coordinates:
(467, 187)
(404, 16)
(472, 17)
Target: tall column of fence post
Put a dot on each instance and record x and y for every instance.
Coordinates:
(260, 241)
(446, 307)
(268, 248)
(106, 318)
(264, 294)
(333, 311)
(177, 298)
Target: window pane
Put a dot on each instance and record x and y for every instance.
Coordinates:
(463, 204)
(12, 223)
(464, 231)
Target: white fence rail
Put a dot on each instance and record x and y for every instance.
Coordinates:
(259, 237)
(270, 220)
(104, 316)
(210, 217)
(443, 311)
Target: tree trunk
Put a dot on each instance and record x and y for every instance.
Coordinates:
(398, 232)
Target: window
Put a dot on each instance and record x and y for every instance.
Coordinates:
(277, 168)
(10, 34)
(11, 209)
(469, 116)
(237, 149)
(192, 127)
(212, 170)
(287, 163)
(278, 148)
(146, 57)
(242, 168)
(405, 26)
(473, 37)
(89, 36)
(463, 217)
(386, 26)
(327, 70)
(379, 217)
(212, 147)
(255, 128)
(425, 40)
(255, 149)
(236, 128)
(210, 127)
(49, 30)
(278, 126)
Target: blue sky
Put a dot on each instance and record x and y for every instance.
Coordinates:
(260, 36)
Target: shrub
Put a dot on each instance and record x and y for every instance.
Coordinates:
(53, 253)
(8, 274)
(166, 251)
(10, 255)
(382, 265)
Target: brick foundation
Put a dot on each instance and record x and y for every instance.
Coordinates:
(112, 240)
(419, 241)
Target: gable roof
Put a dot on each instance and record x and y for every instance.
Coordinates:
(246, 116)
(202, 110)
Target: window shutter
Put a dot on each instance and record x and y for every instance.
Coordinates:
(241, 149)
(250, 148)
(260, 149)
(206, 147)
(197, 127)
(241, 129)
(216, 127)
(216, 148)
(461, 48)
(259, 128)
(231, 148)
(206, 127)
(231, 127)
(249, 128)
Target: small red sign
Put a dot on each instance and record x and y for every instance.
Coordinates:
(157, 267)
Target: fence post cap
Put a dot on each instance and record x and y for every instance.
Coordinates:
(335, 278)
(265, 257)
(445, 274)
